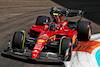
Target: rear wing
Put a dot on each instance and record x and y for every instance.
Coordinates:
(66, 12)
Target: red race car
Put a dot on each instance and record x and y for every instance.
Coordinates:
(51, 39)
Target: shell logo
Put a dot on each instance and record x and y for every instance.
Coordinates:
(40, 40)
(33, 54)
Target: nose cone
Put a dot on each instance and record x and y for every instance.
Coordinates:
(35, 53)
(38, 47)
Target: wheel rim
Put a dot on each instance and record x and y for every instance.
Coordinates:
(89, 32)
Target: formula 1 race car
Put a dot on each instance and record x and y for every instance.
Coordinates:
(51, 39)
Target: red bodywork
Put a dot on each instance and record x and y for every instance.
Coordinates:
(48, 35)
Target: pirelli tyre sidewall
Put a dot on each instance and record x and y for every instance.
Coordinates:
(84, 29)
(18, 40)
(41, 19)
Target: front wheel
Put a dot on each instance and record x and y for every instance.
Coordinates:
(66, 48)
(18, 40)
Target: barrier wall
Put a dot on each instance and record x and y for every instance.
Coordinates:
(86, 54)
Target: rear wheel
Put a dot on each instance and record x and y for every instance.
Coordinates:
(66, 48)
(42, 19)
(84, 30)
(18, 40)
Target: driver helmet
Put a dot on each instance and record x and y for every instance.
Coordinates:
(57, 17)
(52, 27)
(45, 27)
(61, 17)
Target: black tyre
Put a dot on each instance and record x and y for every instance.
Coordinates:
(42, 19)
(84, 30)
(18, 40)
(66, 45)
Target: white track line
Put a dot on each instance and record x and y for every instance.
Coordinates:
(95, 37)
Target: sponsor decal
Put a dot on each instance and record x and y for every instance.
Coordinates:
(66, 30)
(33, 54)
(74, 38)
(45, 36)
(55, 13)
(35, 51)
(64, 23)
(87, 46)
(98, 57)
(38, 47)
(51, 37)
(40, 40)
(54, 37)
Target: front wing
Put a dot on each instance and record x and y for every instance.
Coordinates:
(27, 54)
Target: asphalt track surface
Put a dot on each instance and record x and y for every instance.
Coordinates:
(17, 15)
